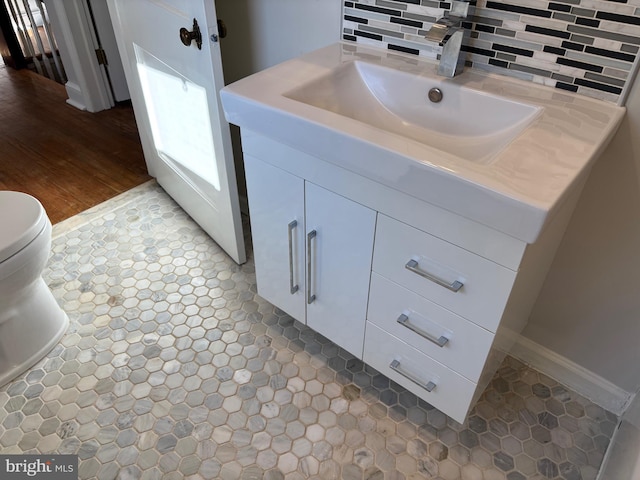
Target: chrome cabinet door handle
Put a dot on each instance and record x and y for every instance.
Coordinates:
(439, 341)
(395, 366)
(310, 236)
(292, 288)
(412, 265)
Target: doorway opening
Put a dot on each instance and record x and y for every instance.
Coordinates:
(30, 41)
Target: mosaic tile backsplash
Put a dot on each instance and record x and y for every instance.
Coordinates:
(583, 46)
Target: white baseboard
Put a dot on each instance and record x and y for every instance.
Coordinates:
(76, 98)
(582, 381)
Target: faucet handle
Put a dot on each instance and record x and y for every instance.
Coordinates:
(437, 33)
(459, 8)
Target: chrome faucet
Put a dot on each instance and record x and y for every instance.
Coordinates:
(449, 33)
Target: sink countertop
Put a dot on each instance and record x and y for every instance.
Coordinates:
(518, 192)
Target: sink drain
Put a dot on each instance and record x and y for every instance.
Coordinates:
(435, 95)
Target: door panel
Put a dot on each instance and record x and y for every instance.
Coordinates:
(175, 94)
(179, 118)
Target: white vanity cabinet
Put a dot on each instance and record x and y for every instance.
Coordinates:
(462, 242)
(429, 298)
(312, 250)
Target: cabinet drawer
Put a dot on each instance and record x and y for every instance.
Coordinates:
(451, 393)
(485, 285)
(467, 345)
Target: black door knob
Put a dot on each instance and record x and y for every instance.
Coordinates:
(186, 36)
(222, 28)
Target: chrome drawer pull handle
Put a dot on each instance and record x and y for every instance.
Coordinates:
(310, 236)
(292, 288)
(404, 321)
(413, 266)
(395, 366)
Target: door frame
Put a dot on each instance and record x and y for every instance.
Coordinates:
(88, 85)
(107, 39)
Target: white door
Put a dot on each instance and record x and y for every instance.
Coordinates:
(175, 93)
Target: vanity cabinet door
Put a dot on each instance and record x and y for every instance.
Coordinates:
(276, 204)
(313, 251)
(339, 256)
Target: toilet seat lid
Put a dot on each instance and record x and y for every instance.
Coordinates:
(22, 218)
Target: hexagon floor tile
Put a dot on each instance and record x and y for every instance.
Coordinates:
(173, 367)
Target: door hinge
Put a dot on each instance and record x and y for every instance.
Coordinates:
(101, 56)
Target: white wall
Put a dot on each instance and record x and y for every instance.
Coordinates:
(589, 308)
(263, 33)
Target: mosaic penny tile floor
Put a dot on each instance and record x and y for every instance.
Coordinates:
(173, 367)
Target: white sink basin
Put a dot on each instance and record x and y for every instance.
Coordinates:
(470, 124)
(499, 151)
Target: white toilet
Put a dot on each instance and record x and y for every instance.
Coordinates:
(31, 322)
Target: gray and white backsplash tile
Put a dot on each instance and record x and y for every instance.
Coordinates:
(583, 46)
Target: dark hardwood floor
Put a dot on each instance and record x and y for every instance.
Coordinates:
(70, 160)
